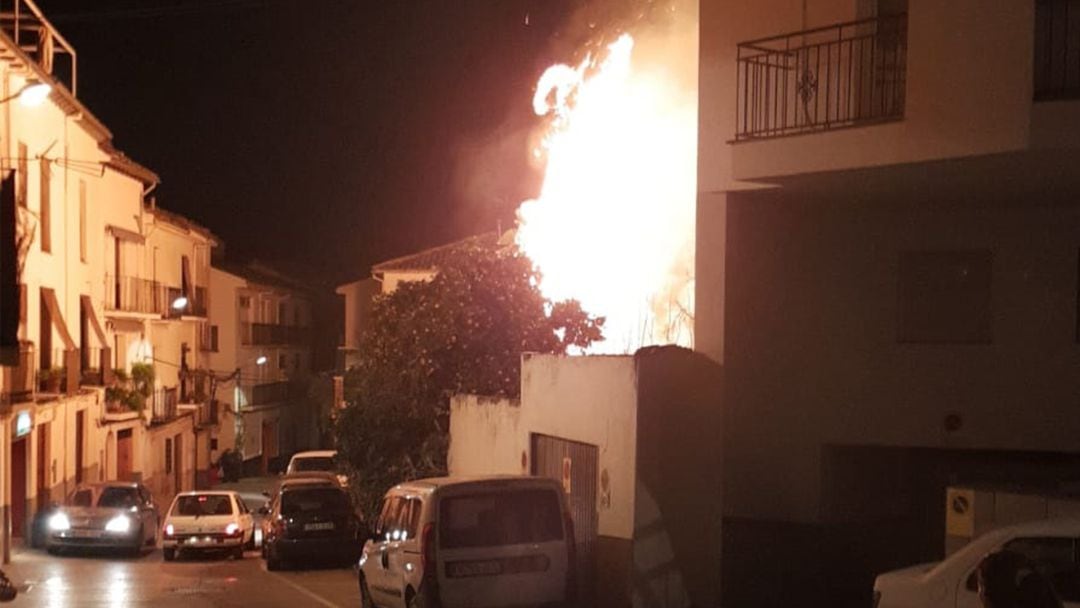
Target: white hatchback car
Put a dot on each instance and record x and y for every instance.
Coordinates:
(207, 521)
(492, 541)
(315, 461)
(1052, 545)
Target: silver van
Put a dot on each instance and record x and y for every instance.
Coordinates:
(476, 542)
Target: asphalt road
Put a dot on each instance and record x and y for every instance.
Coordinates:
(116, 581)
(109, 579)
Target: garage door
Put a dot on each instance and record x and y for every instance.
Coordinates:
(576, 466)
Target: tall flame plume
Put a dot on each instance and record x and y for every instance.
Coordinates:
(613, 225)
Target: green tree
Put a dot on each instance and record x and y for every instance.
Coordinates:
(462, 332)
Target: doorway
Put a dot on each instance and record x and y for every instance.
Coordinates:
(123, 455)
(576, 466)
(269, 443)
(80, 447)
(44, 483)
(178, 463)
(18, 487)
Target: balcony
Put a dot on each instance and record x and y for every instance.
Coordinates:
(195, 306)
(270, 334)
(61, 373)
(17, 383)
(269, 393)
(134, 295)
(96, 364)
(165, 406)
(843, 75)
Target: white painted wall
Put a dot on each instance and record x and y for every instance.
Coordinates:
(586, 399)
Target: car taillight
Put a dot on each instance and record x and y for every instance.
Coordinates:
(571, 558)
(427, 550)
(169, 530)
(232, 529)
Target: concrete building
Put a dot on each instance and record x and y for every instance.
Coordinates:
(260, 338)
(632, 438)
(81, 260)
(888, 236)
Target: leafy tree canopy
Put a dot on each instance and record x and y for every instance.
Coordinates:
(462, 332)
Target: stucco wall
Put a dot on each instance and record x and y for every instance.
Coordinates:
(814, 358)
(485, 437)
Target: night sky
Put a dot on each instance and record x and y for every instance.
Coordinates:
(326, 135)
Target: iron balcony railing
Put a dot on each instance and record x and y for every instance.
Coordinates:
(1057, 49)
(18, 383)
(837, 76)
(266, 334)
(164, 407)
(133, 294)
(267, 393)
(195, 305)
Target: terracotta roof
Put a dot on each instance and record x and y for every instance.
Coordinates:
(431, 259)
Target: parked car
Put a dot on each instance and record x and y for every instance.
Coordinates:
(493, 541)
(111, 514)
(315, 460)
(310, 518)
(207, 521)
(1051, 545)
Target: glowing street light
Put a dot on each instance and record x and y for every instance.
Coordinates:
(34, 93)
(180, 303)
(260, 360)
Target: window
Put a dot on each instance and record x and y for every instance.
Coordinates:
(1057, 49)
(168, 455)
(1055, 558)
(245, 301)
(944, 297)
(22, 176)
(203, 504)
(306, 500)
(118, 498)
(82, 221)
(45, 214)
(81, 498)
(500, 518)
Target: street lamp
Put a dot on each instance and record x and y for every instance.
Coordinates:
(180, 303)
(260, 360)
(32, 94)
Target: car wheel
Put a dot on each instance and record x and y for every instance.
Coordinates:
(169, 553)
(238, 552)
(365, 595)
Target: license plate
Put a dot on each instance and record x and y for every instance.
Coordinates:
(85, 533)
(326, 525)
(479, 568)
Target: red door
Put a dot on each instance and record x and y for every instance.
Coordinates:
(18, 488)
(123, 455)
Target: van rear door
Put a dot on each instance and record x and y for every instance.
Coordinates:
(502, 544)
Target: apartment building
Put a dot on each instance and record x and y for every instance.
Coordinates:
(102, 285)
(888, 244)
(258, 341)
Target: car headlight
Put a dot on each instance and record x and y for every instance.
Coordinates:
(120, 523)
(59, 522)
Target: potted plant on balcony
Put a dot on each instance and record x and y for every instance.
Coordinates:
(142, 379)
(49, 379)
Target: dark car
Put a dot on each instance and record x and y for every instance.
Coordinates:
(310, 519)
(113, 514)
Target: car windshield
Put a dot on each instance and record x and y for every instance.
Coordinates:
(314, 463)
(81, 498)
(203, 504)
(118, 498)
(500, 518)
(297, 501)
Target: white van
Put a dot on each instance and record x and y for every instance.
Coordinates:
(491, 541)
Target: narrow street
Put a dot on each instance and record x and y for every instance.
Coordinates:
(109, 579)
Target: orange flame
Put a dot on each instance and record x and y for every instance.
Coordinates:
(613, 226)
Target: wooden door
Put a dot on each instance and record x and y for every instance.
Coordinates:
(123, 455)
(80, 441)
(178, 463)
(44, 484)
(18, 488)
